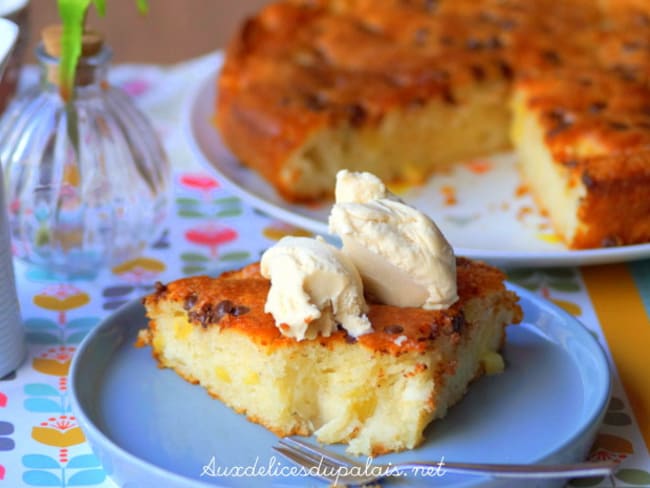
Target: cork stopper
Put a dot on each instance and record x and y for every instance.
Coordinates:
(91, 41)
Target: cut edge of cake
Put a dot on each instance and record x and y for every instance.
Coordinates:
(376, 393)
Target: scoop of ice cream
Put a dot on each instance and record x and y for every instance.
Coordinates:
(314, 287)
(359, 187)
(402, 256)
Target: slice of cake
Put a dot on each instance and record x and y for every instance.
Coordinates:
(377, 392)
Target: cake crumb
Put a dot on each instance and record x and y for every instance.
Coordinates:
(521, 190)
(449, 194)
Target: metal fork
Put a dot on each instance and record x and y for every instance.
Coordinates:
(332, 467)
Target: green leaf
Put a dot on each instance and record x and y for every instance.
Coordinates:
(564, 285)
(617, 418)
(40, 461)
(72, 123)
(40, 389)
(227, 201)
(193, 257)
(529, 286)
(42, 405)
(36, 477)
(77, 337)
(520, 274)
(616, 404)
(72, 14)
(41, 338)
(83, 323)
(235, 256)
(84, 461)
(187, 201)
(560, 272)
(634, 476)
(41, 324)
(143, 6)
(233, 212)
(191, 270)
(87, 477)
(190, 213)
(100, 5)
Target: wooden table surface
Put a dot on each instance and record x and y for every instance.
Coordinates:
(172, 31)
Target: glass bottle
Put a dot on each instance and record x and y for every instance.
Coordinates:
(86, 180)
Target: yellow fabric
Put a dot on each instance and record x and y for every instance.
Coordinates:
(626, 326)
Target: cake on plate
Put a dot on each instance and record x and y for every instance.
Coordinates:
(364, 344)
(376, 392)
(404, 88)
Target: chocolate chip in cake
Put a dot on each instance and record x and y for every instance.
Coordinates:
(478, 72)
(206, 315)
(417, 102)
(224, 307)
(239, 310)
(616, 125)
(611, 241)
(350, 339)
(494, 43)
(570, 163)
(642, 19)
(625, 72)
(193, 316)
(506, 70)
(552, 57)
(394, 329)
(190, 301)
(448, 96)
(558, 129)
(474, 44)
(430, 5)
(458, 323)
(597, 107)
(315, 102)
(356, 114)
(368, 28)
(631, 46)
(446, 40)
(484, 16)
(421, 36)
(159, 288)
(507, 24)
(587, 180)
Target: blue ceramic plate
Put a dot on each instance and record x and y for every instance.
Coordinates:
(149, 427)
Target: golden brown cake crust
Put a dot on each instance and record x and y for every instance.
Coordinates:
(236, 300)
(299, 66)
(376, 392)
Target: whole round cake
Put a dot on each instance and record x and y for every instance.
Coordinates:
(402, 88)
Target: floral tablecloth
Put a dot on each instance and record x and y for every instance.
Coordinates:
(209, 228)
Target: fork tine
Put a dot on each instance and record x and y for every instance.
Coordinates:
(296, 456)
(319, 468)
(312, 456)
(318, 451)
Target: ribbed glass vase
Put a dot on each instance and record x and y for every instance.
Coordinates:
(86, 181)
